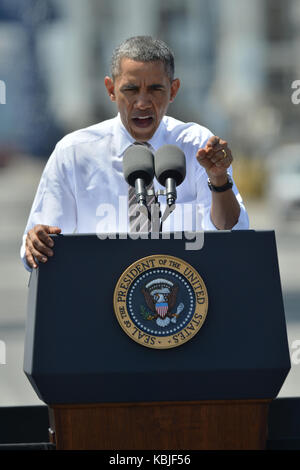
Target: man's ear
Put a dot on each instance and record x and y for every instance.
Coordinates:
(110, 87)
(175, 85)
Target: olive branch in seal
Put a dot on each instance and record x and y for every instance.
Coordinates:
(145, 314)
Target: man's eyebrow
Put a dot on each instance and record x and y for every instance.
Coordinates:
(132, 86)
(129, 86)
(157, 85)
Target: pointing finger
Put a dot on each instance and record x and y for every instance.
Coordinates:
(212, 141)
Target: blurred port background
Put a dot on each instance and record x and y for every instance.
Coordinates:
(237, 61)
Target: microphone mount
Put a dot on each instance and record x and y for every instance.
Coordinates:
(140, 191)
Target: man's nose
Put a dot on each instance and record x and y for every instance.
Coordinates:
(143, 101)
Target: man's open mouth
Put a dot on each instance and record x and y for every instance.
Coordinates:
(143, 121)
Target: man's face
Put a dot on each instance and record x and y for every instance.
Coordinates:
(142, 92)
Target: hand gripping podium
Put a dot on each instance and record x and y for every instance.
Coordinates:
(106, 390)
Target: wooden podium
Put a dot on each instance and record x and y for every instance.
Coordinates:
(106, 391)
(205, 425)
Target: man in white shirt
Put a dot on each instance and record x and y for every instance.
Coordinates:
(83, 177)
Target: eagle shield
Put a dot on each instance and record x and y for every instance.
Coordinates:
(162, 308)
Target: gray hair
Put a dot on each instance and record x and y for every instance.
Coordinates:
(143, 49)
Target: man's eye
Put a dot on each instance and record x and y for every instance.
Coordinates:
(157, 88)
(129, 90)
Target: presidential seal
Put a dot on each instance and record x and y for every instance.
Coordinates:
(160, 301)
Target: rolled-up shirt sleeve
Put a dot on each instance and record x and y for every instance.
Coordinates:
(54, 203)
(204, 199)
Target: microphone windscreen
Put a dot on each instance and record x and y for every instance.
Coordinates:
(169, 162)
(138, 162)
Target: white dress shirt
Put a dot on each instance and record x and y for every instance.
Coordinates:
(82, 188)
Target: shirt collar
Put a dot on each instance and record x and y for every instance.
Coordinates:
(123, 139)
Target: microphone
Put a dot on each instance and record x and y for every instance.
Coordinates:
(170, 170)
(138, 170)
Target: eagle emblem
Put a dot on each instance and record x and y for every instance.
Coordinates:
(160, 297)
